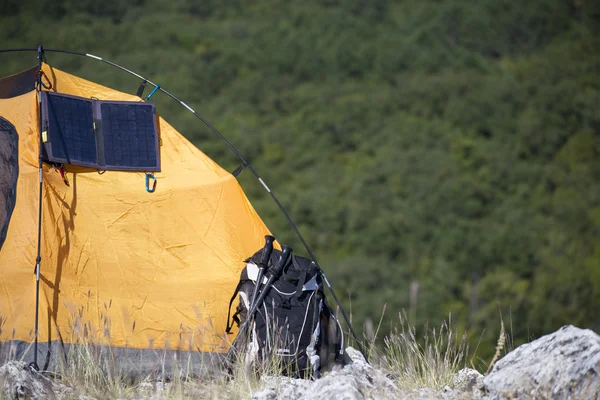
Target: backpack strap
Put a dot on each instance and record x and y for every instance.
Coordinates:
(298, 276)
(302, 278)
(235, 318)
(337, 338)
(235, 293)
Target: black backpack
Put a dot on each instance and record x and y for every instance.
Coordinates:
(294, 322)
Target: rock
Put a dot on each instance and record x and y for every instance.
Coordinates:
(355, 381)
(430, 394)
(282, 388)
(469, 382)
(21, 382)
(562, 365)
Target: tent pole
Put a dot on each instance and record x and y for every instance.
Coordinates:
(38, 259)
(233, 149)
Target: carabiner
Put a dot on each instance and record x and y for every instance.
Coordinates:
(60, 168)
(41, 74)
(63, 175)
(148, 176)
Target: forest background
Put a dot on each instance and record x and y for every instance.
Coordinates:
(439, 156)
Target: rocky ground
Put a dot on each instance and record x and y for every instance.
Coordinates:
(562, 365)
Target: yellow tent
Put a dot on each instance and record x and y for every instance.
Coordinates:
(120, 266)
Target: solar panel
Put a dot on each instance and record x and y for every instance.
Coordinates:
(108, 135)
(129, 135)
(70, 130)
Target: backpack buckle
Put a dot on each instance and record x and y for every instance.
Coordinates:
(286, 304)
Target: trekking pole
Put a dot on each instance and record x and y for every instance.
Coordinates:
(273, 274)
(262, 265)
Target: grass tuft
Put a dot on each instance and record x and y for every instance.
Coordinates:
(429, 361)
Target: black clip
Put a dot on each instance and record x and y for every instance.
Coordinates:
(141, 88)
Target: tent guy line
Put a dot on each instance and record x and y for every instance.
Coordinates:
(41, 50)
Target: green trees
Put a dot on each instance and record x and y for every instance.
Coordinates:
(438, 156)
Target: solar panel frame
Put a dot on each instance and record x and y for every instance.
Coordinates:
(101, 134)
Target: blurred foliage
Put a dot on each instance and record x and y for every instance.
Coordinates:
(440, 157)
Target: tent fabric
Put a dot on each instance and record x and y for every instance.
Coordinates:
(18, 84)
(121, 266)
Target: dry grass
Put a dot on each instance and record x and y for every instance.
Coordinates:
(429, 361)
(91, 368)
(499, 347)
